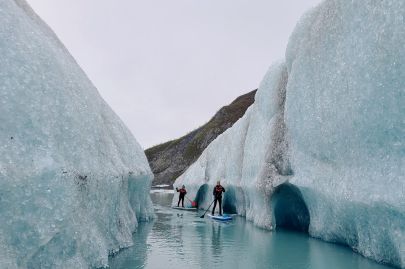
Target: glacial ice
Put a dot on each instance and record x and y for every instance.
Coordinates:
(73, 180)
(243, 157)
(322, 148)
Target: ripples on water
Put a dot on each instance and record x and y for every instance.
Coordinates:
(178, 239)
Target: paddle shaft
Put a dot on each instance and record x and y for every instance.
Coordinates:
(207, 209)
(188, 199)
(192, 202)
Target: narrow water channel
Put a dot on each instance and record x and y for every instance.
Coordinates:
(178, 239)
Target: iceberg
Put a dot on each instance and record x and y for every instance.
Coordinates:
(322, 148)
(73, 180)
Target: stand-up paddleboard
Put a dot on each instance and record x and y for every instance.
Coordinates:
(220, 218)
(185, 208)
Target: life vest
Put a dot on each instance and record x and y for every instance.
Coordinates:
(182, 191)
(218, 190)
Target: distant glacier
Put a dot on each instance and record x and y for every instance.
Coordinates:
(322, 148)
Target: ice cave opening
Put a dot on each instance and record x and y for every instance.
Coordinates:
(201, 195)
(289, 208)
(229, 200)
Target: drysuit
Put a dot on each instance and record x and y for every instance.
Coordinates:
(218, 190)
(182, 194)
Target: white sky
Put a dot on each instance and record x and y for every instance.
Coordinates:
(166, 67)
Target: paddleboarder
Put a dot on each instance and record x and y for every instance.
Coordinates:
(218, 190)
(182, 194)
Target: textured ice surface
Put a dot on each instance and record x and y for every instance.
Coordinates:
(345, 112)
(244, 158)
(342, 146)
(73, 180)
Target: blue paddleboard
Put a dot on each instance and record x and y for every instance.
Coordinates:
(220, 218)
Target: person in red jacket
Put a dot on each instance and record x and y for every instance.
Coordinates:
(182, 194)
(218, 190)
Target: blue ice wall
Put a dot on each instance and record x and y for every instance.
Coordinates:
(73, 180)
(345, 111)
(329, 122)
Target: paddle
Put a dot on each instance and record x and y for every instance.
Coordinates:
(193, 203)
(207, 209)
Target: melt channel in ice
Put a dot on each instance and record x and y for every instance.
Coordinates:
(73, 180)
(322, 148)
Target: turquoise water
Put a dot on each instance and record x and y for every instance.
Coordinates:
(178, 239)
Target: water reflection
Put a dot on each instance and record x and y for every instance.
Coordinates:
(216, 240)
(136, 256)
(179, 239)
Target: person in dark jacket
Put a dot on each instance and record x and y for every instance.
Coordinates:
(218, 190)
(182, 194)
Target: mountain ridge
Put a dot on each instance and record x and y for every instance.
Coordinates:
(170, 159)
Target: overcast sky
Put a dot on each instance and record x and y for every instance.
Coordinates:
(166, 66)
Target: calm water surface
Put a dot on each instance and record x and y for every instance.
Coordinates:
(178, 239)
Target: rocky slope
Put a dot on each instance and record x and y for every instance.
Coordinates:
(171, 159)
